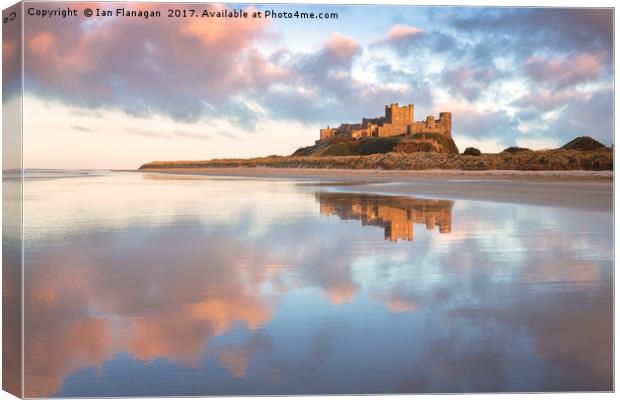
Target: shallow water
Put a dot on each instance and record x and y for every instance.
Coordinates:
(147, 284)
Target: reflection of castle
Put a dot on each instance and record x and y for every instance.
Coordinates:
(396, 214)
(397, 121)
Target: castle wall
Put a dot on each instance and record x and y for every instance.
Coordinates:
(391, 130)
(442, 126)
(422, 127)
(327, 133)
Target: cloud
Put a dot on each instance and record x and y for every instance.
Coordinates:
(64, 136)
(11, 54)
(469, 82)
(320, 86)
(409, 40)
(566, 71)
(588, 115)
(196, 72)
(399, 34)
(340, 50)
(524, 67)
(543, 100)
(533, 29)
(564, 114)
(418, 83)
(177, 66)
(484, 125)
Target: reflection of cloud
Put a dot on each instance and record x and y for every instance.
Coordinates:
(510, 298)
(340, 294)
(165, 312)
(401, 305)
(83, 343)
(571, 332)
(565, 272)
(236, 359)
(11, 305)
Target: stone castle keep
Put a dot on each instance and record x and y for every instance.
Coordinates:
(397, 121)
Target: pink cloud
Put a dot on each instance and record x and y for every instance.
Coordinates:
(41, 44)
(168, 65)
(571, 70)
(545, 100)
(398, 34)
(11, 54)
(341, 47)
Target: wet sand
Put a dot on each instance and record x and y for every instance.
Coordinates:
(586, 190)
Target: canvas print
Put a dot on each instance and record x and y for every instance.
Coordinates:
(284, 199)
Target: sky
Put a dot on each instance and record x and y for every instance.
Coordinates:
(118, 92)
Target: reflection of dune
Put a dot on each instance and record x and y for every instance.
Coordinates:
(174, 177)
(395, 213)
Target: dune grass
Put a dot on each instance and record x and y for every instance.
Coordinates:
(552, 160)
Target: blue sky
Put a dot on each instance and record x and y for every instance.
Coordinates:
(198, 89)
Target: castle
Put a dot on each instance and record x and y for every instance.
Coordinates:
(397, 121)
(397, 215)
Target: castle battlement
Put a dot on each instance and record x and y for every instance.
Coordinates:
(396, 121)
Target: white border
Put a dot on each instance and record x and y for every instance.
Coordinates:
(506, 3)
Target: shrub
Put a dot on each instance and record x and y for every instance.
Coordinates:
(446, 142)
(515, 149)
(414, 147)
(338, 149)
(367, 146)
(471, 151)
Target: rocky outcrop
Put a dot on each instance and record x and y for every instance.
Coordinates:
(435, 143)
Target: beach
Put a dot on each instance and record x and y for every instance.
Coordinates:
(384, 270)
(585, 190)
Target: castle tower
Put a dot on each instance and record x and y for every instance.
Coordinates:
(394, 114)
(410, 110)
(430, 121)
(389, 112)
(445, 120)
